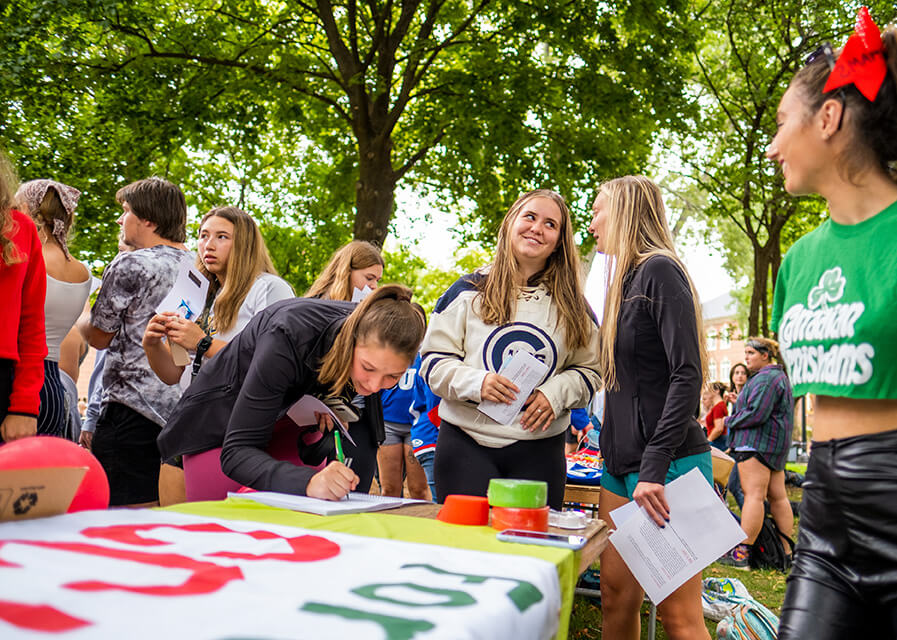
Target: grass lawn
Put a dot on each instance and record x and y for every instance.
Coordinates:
(766, 586)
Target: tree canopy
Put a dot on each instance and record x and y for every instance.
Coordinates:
(310, 114)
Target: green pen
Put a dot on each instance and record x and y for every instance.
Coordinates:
(339, 446)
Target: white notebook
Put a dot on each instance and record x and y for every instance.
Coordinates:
(353, 503)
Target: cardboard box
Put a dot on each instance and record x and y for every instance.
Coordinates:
(36, 493)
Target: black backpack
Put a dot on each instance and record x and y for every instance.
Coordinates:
(768, 552)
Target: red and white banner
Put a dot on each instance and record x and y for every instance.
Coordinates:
(151, 574)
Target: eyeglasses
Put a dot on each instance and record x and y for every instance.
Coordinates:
(825, 50)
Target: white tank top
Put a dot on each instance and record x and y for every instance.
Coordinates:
(65, 301)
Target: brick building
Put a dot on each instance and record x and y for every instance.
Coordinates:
(725, 338)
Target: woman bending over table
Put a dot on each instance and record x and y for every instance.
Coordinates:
(327, 349)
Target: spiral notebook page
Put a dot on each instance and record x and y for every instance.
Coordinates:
(353, 503)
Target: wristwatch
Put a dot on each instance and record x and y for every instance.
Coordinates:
(201, 347)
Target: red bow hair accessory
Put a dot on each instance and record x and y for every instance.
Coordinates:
(862, 61)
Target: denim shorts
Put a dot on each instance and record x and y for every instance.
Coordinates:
(624, 485)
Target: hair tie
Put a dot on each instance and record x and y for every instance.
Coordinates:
(862, 61)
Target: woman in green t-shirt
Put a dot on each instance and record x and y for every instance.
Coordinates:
(833, 311)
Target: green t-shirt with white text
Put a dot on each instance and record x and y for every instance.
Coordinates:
(835, 309)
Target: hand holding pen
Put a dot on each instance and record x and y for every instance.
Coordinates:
(335, 480)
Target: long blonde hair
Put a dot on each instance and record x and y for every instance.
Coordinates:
(386, 317)
(561, 276)
(334, 283)
(248, 258)
(8, 252)
(636, 230)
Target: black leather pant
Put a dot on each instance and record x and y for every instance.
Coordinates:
(844, 580)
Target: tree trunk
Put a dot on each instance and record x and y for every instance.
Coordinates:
(758, 295)
(767, 260)
(374, 191)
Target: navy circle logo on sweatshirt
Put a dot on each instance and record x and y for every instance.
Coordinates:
(508, 339)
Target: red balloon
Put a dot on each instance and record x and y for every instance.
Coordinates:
(47, 451)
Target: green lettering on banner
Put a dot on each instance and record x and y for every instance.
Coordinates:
(454, 597)
(395, 628)
(523, 595)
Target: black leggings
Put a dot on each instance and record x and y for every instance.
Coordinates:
(844, 580)
(463, 466)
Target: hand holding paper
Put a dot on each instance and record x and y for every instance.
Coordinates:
(700, 530)
(524, 371)
(187, 298)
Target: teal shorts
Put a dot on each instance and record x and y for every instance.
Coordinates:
(624, 485)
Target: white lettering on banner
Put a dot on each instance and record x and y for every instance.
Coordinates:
(800, 324)
(845, 364)
(841, 365)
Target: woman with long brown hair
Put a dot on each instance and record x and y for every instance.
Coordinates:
(833, 311)
(653, 359)
(529, 298)
(23, 343)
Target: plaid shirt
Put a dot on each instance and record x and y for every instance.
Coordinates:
(764, 416)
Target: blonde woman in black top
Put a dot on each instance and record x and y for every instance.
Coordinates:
(652, 357)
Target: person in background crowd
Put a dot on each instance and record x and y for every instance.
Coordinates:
(738, 377)
(224, 425)
(529, 298)
(425, 429)
(52, 205)
(135, 402)
(353, 270)
(717, 433)
(759, 435)
(23, 341)
(95, 383)
(395, 456)
(837, 137)
(576, 432)
(653, 362)
(72, 352)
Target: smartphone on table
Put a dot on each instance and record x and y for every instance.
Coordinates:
(564, 540)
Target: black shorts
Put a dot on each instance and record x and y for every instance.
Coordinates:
(844, 580)
(741, 456)
(125, 444)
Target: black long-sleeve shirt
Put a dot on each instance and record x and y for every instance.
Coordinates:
(240, 393)
(649, 420)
